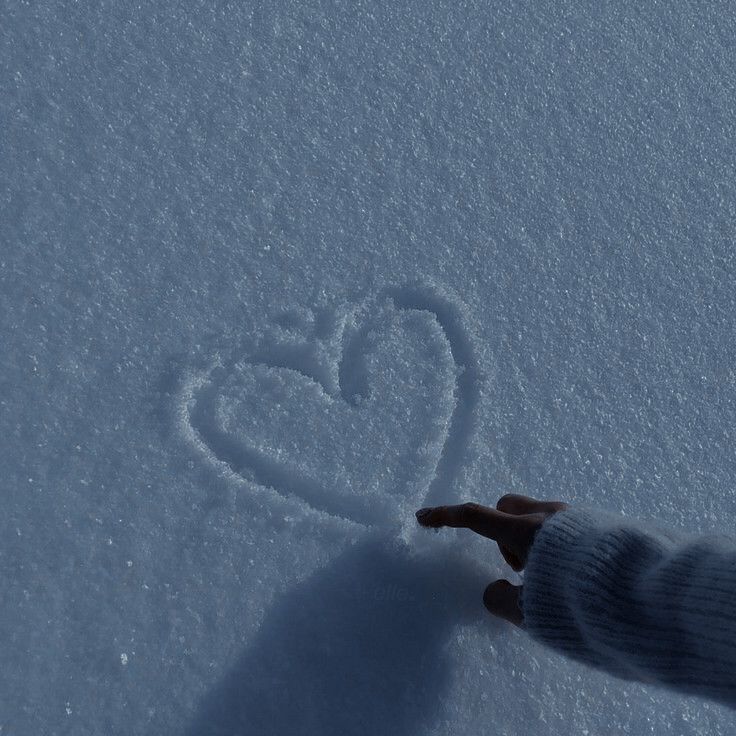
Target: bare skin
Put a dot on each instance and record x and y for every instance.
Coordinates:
(512, 524)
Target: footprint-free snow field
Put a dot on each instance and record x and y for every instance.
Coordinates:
(274, 276)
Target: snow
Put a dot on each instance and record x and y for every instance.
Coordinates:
(273, 278)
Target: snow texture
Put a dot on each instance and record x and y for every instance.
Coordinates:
(273, 276)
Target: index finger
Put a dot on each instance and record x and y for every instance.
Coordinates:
(488, 522)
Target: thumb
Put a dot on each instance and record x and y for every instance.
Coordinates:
(504, 600)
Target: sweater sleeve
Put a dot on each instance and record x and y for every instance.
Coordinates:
(639, 601)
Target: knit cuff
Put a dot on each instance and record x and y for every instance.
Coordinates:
(553, 569)
(636, 599)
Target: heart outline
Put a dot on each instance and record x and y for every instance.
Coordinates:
(241, 463)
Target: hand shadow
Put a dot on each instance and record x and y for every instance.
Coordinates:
(355, 649)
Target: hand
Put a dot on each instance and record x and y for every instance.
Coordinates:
(513, 524)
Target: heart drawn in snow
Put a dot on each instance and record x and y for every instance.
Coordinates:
(359, 413)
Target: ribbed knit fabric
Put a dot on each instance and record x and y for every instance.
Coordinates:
(639, 601)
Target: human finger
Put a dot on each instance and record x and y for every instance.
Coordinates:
(503, 599)
(514, 503)
(488, 522)
(511, 558)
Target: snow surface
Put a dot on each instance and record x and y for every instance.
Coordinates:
(273, 277)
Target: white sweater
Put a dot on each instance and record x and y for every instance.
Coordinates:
(639, 601)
